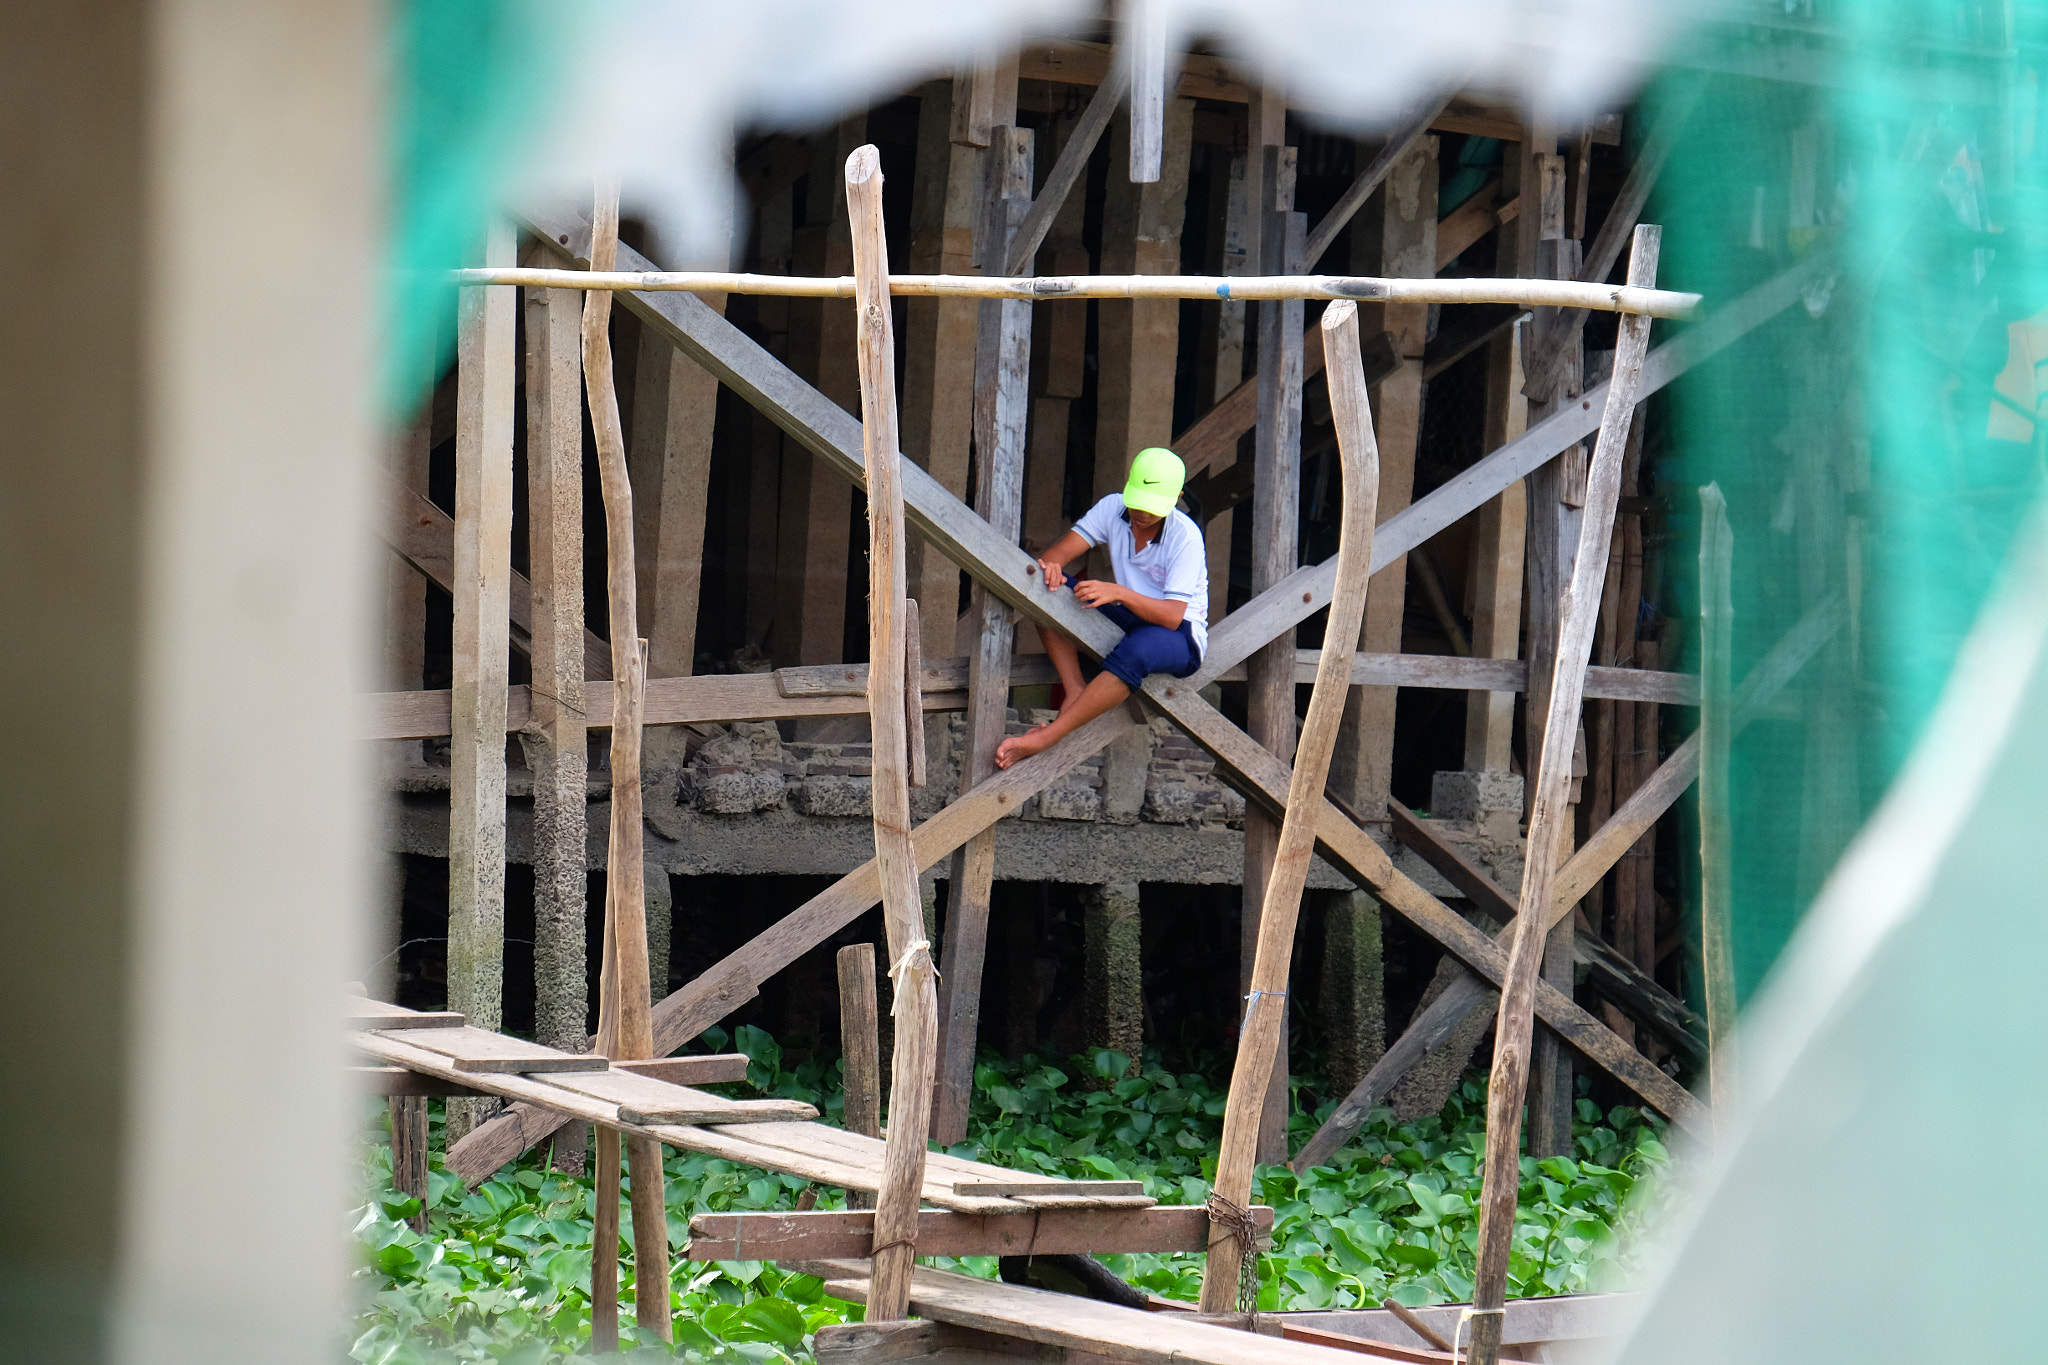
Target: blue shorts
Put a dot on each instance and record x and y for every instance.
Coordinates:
(1147, 648)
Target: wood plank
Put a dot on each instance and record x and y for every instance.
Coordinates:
(358, 1012)
(1716, 734)
(706, 1069)
(841, 690)
(1001, 399)
(1265, 1019)
(397, 1082)
(648, 1101)
(1080, 1189)
(482, 573)
(916, 998)
(818, 1236)
(1066, 172)
(1549, 821)
(1101, 1330)
(480, 1050)
(1471, 222)
(424, 536)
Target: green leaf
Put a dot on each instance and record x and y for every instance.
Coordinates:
(778, 1319)
(1110, 1064)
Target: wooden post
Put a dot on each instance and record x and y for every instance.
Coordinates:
(407, 452)
(1509, 1081)
(947, 205)
(860, 1049)
(1395, 234)
(409, 1152)
(915, 1006)
(555, 739)
(1059, 342)
(624, 1027)
(1276, 507)
(1002, 365)
(1496, 578)
(1223, 1288)
(483, 643)
(816, 520)
(1717, 941)
(1138, 339)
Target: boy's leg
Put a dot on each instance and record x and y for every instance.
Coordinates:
(1105, 692)
(1066, 661)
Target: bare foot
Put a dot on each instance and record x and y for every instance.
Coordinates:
(1022, 746)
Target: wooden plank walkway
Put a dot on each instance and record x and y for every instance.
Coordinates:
(1103, 1331)
(774, 1135)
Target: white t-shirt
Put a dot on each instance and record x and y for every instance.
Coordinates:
(1175, 566)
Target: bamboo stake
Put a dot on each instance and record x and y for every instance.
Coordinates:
(1259, 1041)
(1717, 946)
(1578, 613)
(916, 996)
(625, 1026)
(1526, 293)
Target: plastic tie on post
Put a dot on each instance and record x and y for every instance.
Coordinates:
(1466, 1315)
(901, 966)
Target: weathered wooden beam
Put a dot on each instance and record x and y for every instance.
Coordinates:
(481, 572)
(1065, 174)
(1717, 926)
(1002, 377)
(1045, 1232)
(916, 999)
(1265, 1018)
(1011, 574)
(1400, 141)
(1578, 616)
(555, 737)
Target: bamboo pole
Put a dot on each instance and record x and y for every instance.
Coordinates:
(1526, 293)
(1717, 946)
(916, 995)
(1266, 1010)
(1578, 614)
(625, 1026)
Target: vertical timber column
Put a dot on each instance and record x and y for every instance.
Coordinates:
(556, 739)
(1001, 382)
(938, 341)
(1486, 787)
(1556, 492)
(1113, 986)
(186, 595)
(774, 254)
(817, 505)
(675, 407)
(1059, 361)
(483, 642)
(1138, 340)
(1394, 234)
(914, 1001)
(1276, 518)
(1353, 986)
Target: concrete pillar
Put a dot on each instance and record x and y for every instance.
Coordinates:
(1113, 983)
(1353, 987)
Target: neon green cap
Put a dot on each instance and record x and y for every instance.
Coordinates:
(1155, 483)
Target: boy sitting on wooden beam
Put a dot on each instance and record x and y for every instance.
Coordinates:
(1160, 597)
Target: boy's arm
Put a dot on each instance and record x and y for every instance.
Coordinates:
(1157, 611)
(1053, 563)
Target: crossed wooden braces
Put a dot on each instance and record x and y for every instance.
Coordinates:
(999, 566)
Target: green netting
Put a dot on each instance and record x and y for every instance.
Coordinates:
(467, 86)
(1876, 440)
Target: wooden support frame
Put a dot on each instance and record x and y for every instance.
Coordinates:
(1265, 1017)
(916, 1000)
(1578, 615)
(1045, 1232)
(1002, 364)
(481, 571)
(823, 428)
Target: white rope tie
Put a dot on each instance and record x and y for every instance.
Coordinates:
(1466, 1315)
(902, 965)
